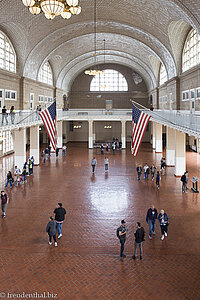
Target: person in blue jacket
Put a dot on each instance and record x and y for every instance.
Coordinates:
(151, 219)
(164, 222)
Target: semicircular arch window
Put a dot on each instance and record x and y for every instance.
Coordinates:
(163, 74)
(109, 81)
(191, 51)
(45, 74)
(7, 54)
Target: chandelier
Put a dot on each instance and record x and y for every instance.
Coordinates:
(94, 72)
(53, 8)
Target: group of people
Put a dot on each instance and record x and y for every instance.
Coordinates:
(146, 170)
(5, 115)
(46, 153)
(94, 163)
(54, 225)
(20, 175)
(114, 145)
(151, 217)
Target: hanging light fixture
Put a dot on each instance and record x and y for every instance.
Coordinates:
(53, 8)
(94, 72)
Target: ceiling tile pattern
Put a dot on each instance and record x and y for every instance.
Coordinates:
(133, 29)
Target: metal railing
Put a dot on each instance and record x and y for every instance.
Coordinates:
(181, 120)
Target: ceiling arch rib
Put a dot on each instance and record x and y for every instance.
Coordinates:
(177, 32)
(73, 69)
(116, 42)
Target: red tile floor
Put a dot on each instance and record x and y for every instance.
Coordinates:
(86, 264)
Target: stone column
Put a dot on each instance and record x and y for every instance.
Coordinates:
(59, 134)
(123, 134)
(94, 133)
(180, 160)
(158, 137)
(153, 135)
(20, 147)
(90, 138)
(170, 147)
(35, 143)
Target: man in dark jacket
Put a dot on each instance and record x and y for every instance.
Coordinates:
(4, 202)
(139, 238)
(60, 213)
(51, 230)
(121, 233)
(184, 183)
(151, 219)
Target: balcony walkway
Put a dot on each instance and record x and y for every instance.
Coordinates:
(179, 120)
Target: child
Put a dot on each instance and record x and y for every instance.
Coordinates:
(158, 180)
(51, 230)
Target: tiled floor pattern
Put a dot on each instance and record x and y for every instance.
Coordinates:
(86, 265)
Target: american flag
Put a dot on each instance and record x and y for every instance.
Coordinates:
(140, 121)
(49, 119)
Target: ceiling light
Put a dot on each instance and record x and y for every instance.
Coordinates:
(52, 8)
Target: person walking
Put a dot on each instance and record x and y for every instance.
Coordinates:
(93, 164)
(158, 180)
(184, 182)
(151, 219)
(139, 171)
(146, 171)
(4, 116)
(9, 179)
(57, 152)
(43, 155)
(4, 202)
(163, 166)
(30, 165)
(106, 161)
(139, 238)
(51, 230)
(60, 213)
(113, 148)
(49, 148)
(12, 114)
(102, 149)
(64, 150)
(153, 170)
(121, 234)
(164, 222)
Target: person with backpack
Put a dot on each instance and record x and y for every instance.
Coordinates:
(184, 182)
(121, 234)
(158, 180)
(9, 180)
(139, 238)
(30, 165)
(153, 170)
(51, 230)
(139, 171)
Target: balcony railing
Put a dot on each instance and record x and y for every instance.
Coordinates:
(180, 120)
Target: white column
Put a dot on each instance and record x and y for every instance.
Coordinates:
(94, 133)
(153, 135)
(158, 137)
(35, 144)
(170, 147)
(20, 147)
(123, 134)
(90, 138)
(180, 160)
(59, 134)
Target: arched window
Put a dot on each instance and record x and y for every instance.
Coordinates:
(191, 51)
(45, 74)
(163, 74)
(110, 81)
(7, 54)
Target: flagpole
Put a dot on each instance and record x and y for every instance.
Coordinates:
(143, 107)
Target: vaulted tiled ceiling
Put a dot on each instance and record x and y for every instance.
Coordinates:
(134, 30)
